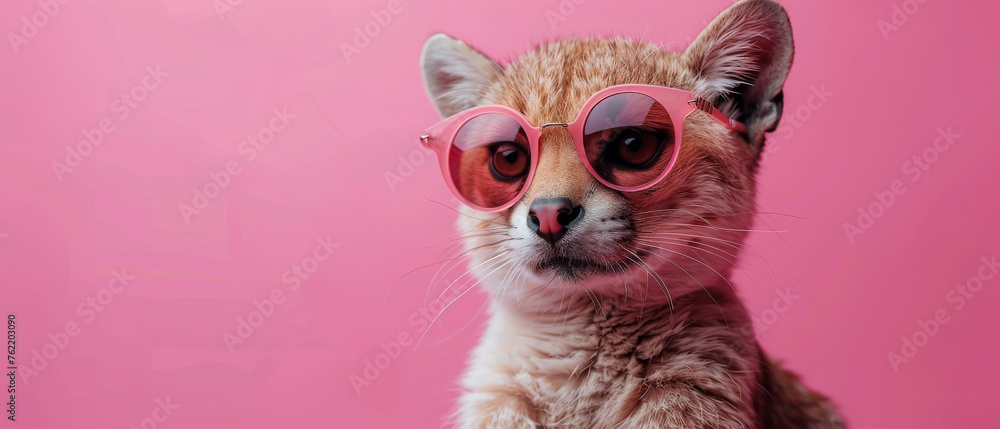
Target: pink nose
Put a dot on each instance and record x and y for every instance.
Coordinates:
(550, 218)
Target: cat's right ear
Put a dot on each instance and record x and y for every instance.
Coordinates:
(742, 60)
(455, 75)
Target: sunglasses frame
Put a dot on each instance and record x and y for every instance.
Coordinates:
(677, 102)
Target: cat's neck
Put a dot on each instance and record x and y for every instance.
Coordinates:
(583, 311)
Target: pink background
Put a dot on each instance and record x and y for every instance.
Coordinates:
(324, 175)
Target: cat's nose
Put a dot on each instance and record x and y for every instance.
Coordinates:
(550, 218)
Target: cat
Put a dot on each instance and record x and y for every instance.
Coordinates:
(628, 321)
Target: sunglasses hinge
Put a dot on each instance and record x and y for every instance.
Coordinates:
(703, 105)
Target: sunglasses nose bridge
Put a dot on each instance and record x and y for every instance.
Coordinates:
(560, 172)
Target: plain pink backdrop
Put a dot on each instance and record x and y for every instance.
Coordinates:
(324, 177)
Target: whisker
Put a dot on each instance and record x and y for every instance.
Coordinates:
(465, 235)
(443, 261)
(719, 228)
(650, 270)
(448, 305)
(457, 259)
(724, 318)
(684, 243)
(735, 244)
(672, 210)
(504, 284)
(491, 221)
(464, 274)
(771, 265)
(461, 233)
(645, 294)
(598, 305)
(572, 292)
(466, 325)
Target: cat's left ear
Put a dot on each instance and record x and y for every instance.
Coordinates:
(455, 75)
(741, 61)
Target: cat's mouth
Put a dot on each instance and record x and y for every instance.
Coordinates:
(572, 268)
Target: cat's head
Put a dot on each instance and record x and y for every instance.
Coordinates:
(683, 232)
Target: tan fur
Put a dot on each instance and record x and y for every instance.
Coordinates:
(651, 333)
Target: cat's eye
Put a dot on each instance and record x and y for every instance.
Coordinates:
(628, 139)
(634, 148)
(509, 161)
(489, 160)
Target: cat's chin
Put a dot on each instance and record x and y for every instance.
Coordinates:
(578, 269)
(572, 269)
(577, 274)
(549, 292)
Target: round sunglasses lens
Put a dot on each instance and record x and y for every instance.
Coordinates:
(489, 160)
(629, 139)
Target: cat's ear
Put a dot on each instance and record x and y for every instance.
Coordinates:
(741, 61)
(455, 75)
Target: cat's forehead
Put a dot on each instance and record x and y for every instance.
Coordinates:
(552, 82)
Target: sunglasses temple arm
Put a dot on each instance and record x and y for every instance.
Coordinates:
(707, 107)
(432, 139)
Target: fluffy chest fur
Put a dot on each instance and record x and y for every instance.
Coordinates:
(595, 364)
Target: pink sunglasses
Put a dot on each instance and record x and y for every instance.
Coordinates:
(625, 135)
